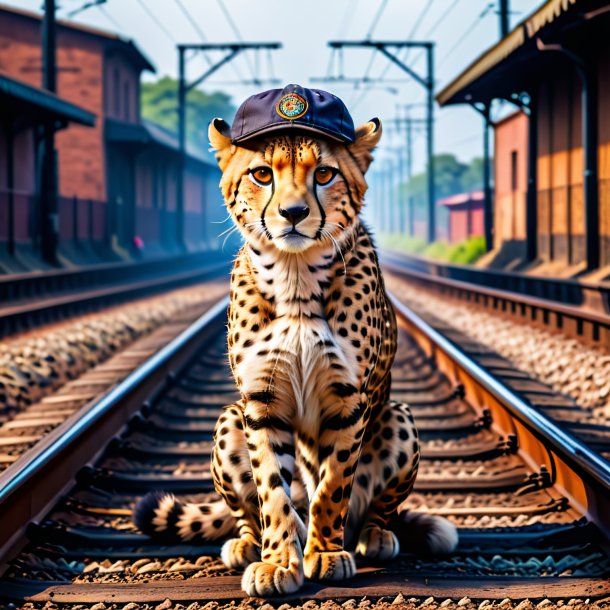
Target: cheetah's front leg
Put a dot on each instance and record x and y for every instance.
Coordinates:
(339, 448)
(281, 568)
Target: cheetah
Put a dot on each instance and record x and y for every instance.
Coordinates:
(314, 461)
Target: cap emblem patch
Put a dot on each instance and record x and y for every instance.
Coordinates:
(291, 106)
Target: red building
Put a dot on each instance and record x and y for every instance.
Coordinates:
(117, 180)
(465, 215)
(510, 185)
(552, 161)
(24, 110)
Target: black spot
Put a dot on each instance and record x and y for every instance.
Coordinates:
(326, 531)
(195, 526)
(343, 455)
(275, 480)
(363, 480)
(217, 523)
(403, 434)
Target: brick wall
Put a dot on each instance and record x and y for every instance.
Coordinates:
(79, 80)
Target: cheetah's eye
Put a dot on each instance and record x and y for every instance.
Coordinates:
(262, 175)
(324, 175)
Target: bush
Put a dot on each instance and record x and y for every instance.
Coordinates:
(463, 253)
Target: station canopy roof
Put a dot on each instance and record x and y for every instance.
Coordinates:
(512, 65)
(20, 99)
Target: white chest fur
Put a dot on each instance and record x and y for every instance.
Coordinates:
(297, 355)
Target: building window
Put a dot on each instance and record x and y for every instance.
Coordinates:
(116, 86)
(127, 100)
(513, 170)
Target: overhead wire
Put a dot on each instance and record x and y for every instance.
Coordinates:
(157, 21)
(469, 30)
(238, 35)
(411, 34)
(358, 97)
(109, 17)
(376, 18)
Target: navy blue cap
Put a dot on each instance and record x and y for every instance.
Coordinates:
(293, 107)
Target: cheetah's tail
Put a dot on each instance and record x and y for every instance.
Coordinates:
(425, 534)
(159, 514)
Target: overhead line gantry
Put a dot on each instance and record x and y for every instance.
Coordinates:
(232, 50)
(388, 48)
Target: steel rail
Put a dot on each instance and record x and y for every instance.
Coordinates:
(32, 483)
(518, 288)
(20, 316)
(573, 451)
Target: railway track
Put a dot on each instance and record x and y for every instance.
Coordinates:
(28, 300)
(41, 388)
(530, 499)
(583, 411)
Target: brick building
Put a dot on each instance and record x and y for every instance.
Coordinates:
(25, 109)
(113, 174)
(552, 196)
(465, 218)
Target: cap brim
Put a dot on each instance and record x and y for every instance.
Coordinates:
(290, 127)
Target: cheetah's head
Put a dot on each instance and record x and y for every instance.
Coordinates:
(294, 192)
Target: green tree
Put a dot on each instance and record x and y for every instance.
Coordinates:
(472, 179)
(159, 104)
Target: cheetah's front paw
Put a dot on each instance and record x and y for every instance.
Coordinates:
(266, 579)
(379, 544)
(239, 552)
(329, 565)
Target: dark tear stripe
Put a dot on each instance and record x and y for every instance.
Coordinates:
(269, 236)
(322, 214)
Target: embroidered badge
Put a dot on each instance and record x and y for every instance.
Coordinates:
(291, 106)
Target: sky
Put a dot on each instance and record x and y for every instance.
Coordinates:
(460, 29)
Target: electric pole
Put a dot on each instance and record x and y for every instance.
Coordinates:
(388, 48)
(47, 184)
(503, 13)
(232, 50)
(406, 124)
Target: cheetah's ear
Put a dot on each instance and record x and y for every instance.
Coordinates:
(367, 137)
(219, 133)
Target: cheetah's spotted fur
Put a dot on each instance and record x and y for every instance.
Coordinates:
(314, 460)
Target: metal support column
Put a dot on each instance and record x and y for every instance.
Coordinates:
(181, 149)
(488, 205)
(430, 145)
(503, 12)
(10, 185)
(232, 50)
(49, 218)
(531, 205)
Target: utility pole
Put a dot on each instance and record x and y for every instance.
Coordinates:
(388, 48)
(503, 13)
(407, 123)
(232, 50)
(47, 183)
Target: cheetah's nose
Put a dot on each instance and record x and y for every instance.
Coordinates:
(295, 213)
